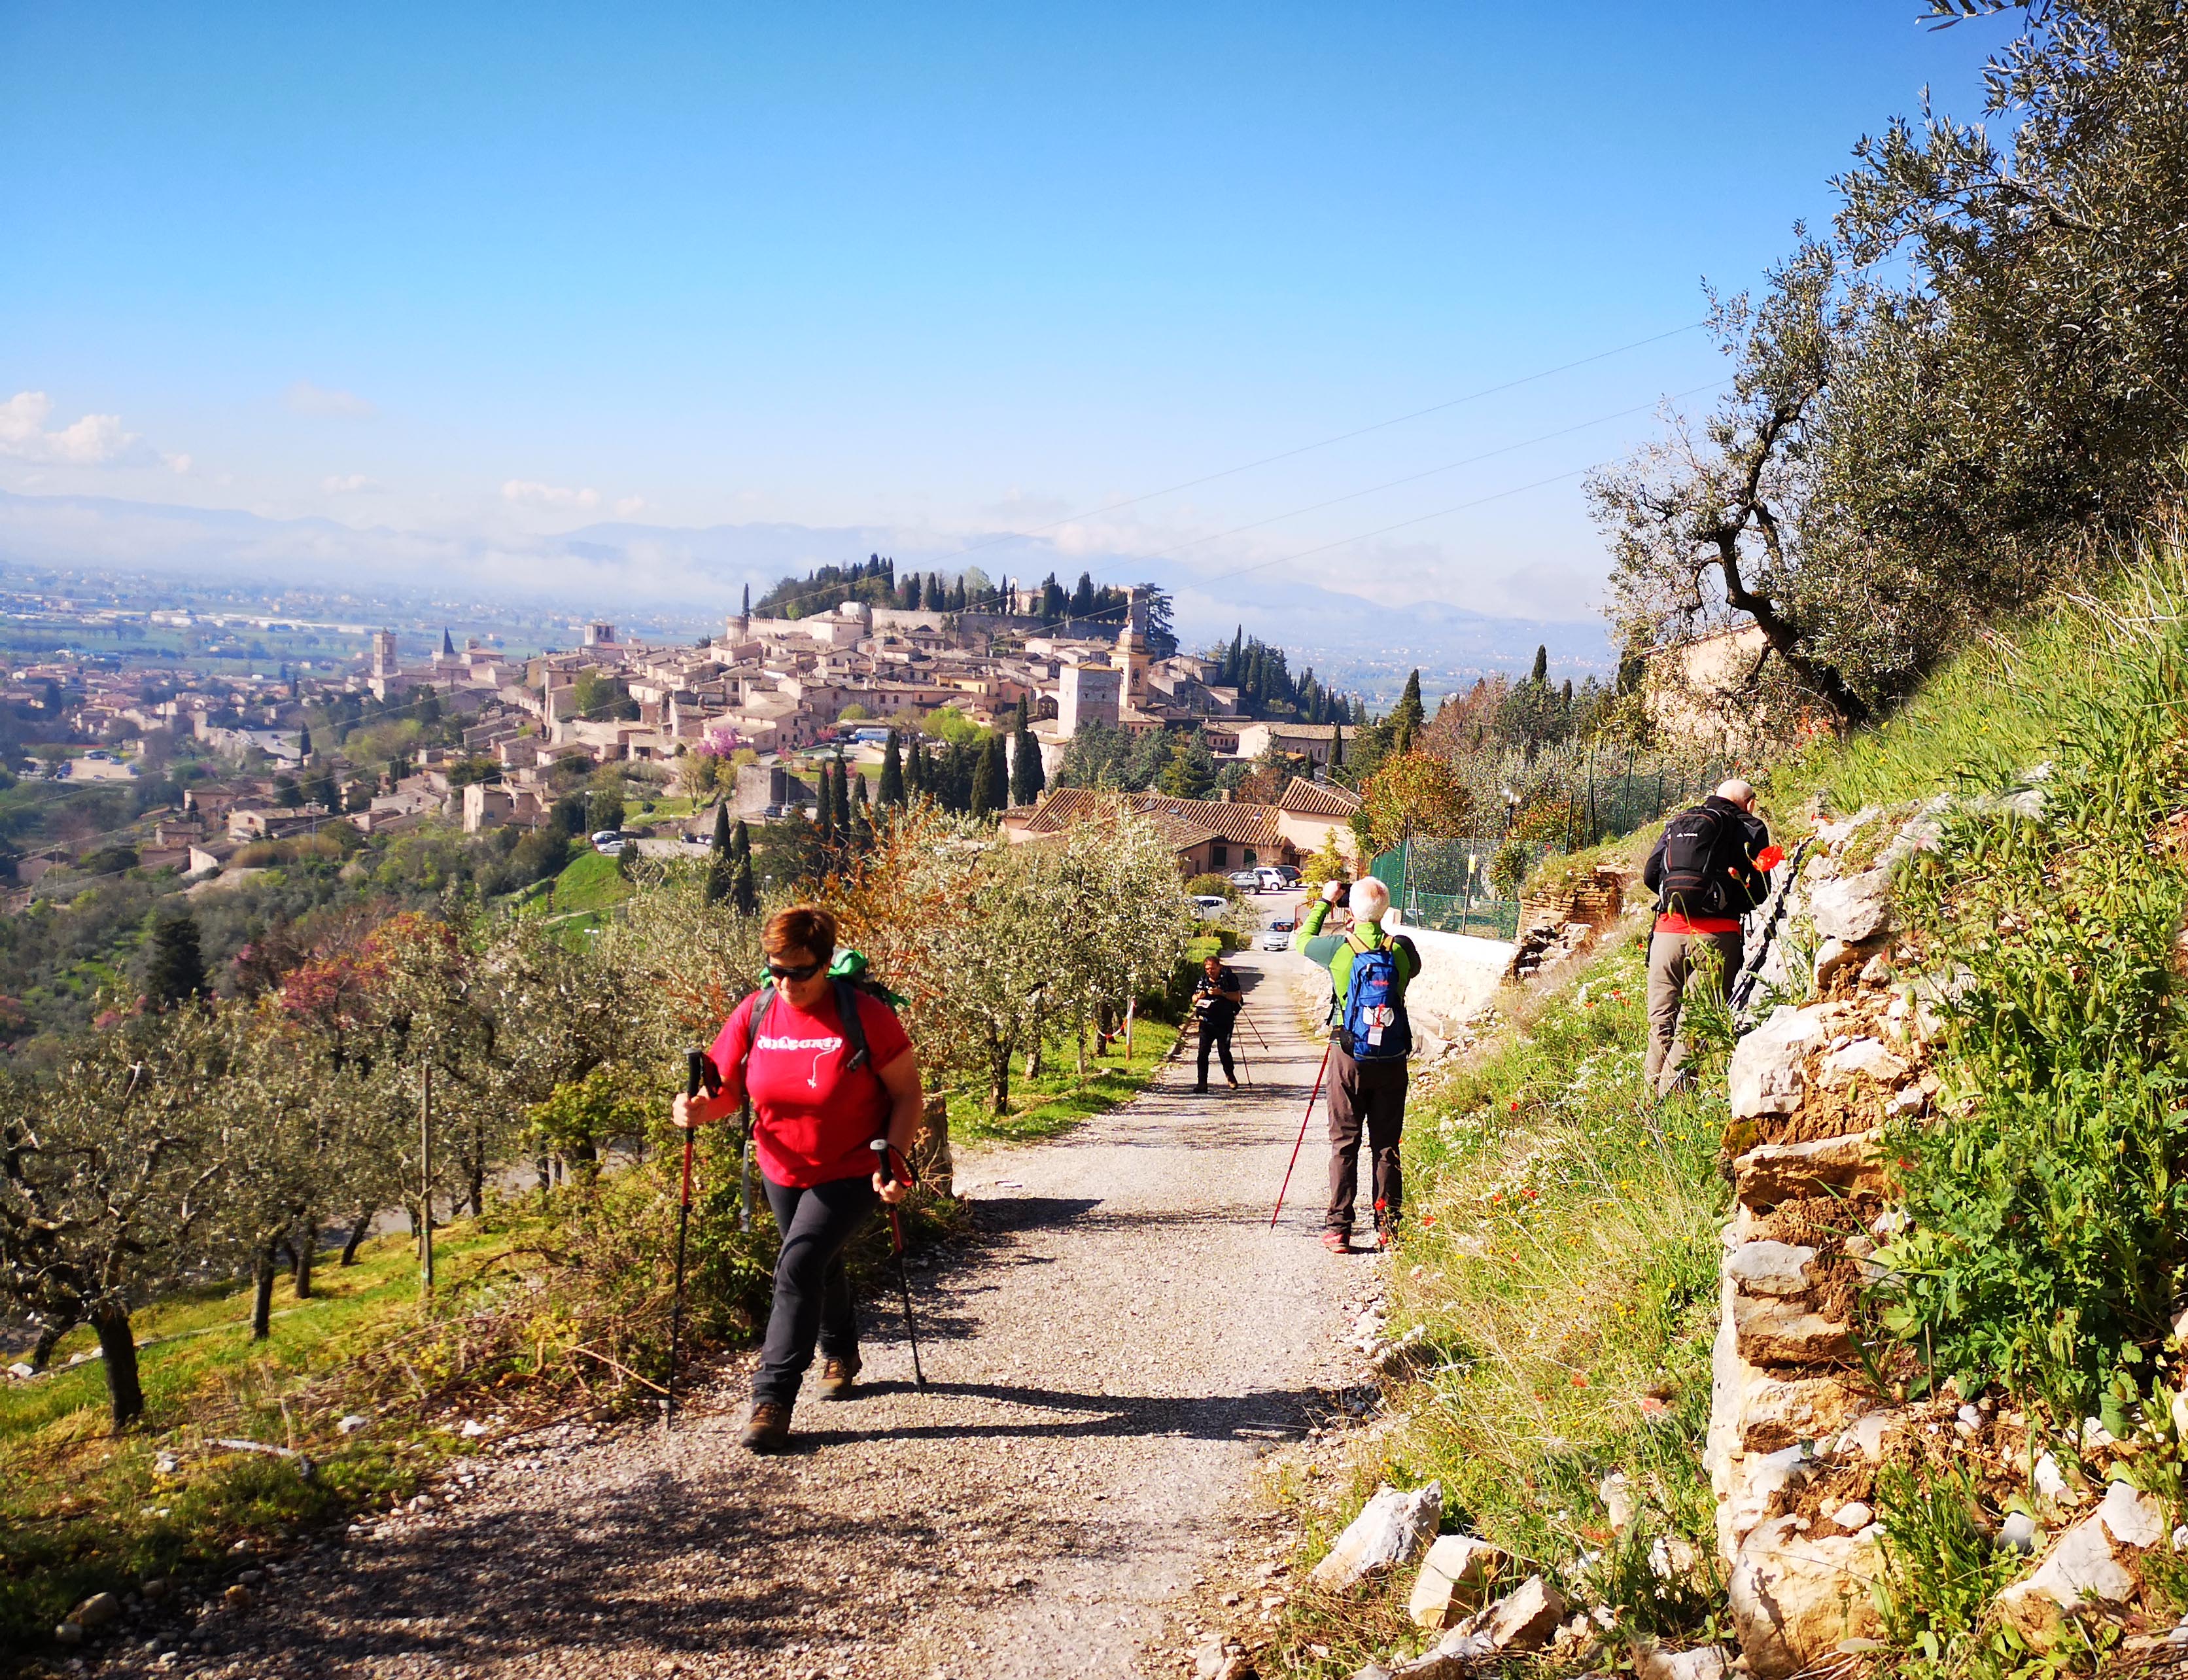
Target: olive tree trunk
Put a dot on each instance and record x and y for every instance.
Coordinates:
(125, 1393)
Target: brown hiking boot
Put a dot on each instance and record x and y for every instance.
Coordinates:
(839, 1378)
(769, 1431)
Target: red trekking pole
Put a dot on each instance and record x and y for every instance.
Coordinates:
(1301, 1144)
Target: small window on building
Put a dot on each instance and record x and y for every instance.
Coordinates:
(1250, 859)
(1218, 854)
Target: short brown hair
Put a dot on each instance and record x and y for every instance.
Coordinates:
(806, 927)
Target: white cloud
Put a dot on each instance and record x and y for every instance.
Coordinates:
(630, 504)
(94, 440)
(180, 463)
(351, 483)
(549, 495)
(305, 397)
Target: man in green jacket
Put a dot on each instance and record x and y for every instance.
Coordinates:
(1368, 1093)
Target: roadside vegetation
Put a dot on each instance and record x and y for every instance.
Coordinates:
(171, 1179)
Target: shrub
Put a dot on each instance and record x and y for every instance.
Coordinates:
(1215, 886)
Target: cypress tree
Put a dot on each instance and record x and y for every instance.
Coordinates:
(304, 742)
(990, 792)
(743, 896)
(720, 845)
(862, 833)
(824, 801)
(892, 787)
(1541, 671)
(859, 800)
(177, 972)
(748, 609)
(1337, 745)
(1028, 778)
(843, 795)
(741, 840)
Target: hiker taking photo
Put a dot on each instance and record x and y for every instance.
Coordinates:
(1216, 999)
(1370, 1037)
(829, 1068)
(1709, 869)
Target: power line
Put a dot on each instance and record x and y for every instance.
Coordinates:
(1288, 454)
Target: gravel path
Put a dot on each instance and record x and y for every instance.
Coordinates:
(1105, 1365)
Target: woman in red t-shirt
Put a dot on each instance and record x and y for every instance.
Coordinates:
(814, 1123)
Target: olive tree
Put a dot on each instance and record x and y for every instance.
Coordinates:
(107, 1178)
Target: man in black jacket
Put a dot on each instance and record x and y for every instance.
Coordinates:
(1710, 868)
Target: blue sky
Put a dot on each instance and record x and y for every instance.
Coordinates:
(939, 270)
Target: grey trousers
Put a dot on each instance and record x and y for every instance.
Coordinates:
(1671, 963)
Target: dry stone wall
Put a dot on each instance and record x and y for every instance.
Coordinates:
(1798, 1433)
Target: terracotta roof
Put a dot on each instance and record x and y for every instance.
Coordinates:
(1317, 799)
(1242, 824)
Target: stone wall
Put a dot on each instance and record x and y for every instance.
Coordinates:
(1798, 1432)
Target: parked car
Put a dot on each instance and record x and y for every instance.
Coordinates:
(691, 839)
(1283, 925)
(1277, 877)
(608, 843)
(1210, 904)
(1278, 936)
(1246, 880)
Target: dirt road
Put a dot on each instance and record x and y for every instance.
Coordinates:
(1105, 1366)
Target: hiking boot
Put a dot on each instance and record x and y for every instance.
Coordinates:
(839, 1378)
(1200, 1090)
(1337, 1242)
(769, 1431)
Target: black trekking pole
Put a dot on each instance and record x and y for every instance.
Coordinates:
(1744, 983)
(698, 1074)
(894, 1168)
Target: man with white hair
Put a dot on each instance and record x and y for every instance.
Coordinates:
(1710, 868)
(1369, 1038)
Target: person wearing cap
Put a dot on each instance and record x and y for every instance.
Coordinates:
(1710, 868)
(1366, 1094)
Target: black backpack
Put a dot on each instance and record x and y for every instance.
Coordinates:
(1693, 882)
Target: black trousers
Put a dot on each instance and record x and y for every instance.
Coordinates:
(1216, 1036)
(812, 1291)
(1369, 1097)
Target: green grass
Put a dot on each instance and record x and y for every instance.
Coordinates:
(1057, 1099)
(592, 881)
(1563, 1262)
(83, 1510)
(1998, 709)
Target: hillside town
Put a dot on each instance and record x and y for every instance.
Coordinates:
(744, 719)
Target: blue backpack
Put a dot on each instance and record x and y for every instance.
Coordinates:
(1374, 1027)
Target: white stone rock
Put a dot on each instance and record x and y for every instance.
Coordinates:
(1877, 971)
(1767, 1071)
(2019, 1532)
(1391, 1528)
(1794, 1598)
(20, 1372)
(1854, 908)
(96, 1611)
(1704, 1662)
(1455, 1577)
(472, 1429)
(1862, 1058)
(1768, 1268)
(1759, 1480)
(1616, 1492)
(1852, 1516)
(1834, 954)
(354, 1422)
(1525, 1618)
(2050, 1482)
(2134, 1519)
(2081, 1567)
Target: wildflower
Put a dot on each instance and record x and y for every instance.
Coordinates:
(1515, 1105)
(1580, 1379)
(1427, 1220)
(1651, 1407)
(1529, 1194)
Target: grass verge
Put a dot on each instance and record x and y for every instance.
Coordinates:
(1057, 1099)
(1560, 1255)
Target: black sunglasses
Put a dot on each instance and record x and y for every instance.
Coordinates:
(804, 973)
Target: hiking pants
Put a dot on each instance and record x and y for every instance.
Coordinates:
(1671, 964)
(1216, 1036)
(812, 1292)
(1369, 1095)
